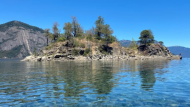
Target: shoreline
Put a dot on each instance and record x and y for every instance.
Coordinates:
(33, 58)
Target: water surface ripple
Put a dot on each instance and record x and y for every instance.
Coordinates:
(117, 83)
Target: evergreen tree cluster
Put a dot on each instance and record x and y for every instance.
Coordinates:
(101, 32)
(146, 37)
(73, 29)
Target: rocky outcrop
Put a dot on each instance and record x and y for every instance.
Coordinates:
(154, 50)
(61, 52)
(18, 39)
(101, 57)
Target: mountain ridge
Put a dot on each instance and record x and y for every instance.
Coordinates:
(16, 23)
(184, 51)
(18, 39)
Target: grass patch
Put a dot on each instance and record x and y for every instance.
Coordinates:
(76, 43)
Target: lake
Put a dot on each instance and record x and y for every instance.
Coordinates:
(95, 84)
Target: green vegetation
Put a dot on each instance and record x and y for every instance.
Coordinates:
(76, 43)
(76, 37)
(12, 53)
(101, 36)
(103, 50)
(18, 24)
(75, 52)
(47, 34)
(56, 31)
(35, 52)
(161, 43)
(146, 37)
(133, 44)
(102, 32)
(68, 30)
(61, 39)
(86, 52)
(49, 46)
(77, 29)
(99, 27)
(78, 52)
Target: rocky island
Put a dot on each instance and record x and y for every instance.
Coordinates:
(18, 40)
(97, 44)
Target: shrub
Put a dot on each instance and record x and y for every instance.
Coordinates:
(133, 44)
(86, 52)
(82, 45)
(112, 39)
(35, 52)
(102, 50)
(76, 43)
(48, 47)
(61, 39)
(75, 52)
(109, 39)
(89, 37)
(80, 37)
(161, 42)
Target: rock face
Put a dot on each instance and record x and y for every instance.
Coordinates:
(155, 50)
(18, 39)
(60, 52)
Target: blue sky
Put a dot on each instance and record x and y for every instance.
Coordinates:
(169, 20)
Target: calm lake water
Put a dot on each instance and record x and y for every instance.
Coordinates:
(95, 84)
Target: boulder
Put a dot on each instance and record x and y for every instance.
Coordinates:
(70, 57)
(28, 58)
(61, 55)
(44, 58)
(39, 59)
(176, 57)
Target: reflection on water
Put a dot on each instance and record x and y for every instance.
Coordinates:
(117, 83)
(147, 71)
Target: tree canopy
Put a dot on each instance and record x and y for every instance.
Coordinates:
(47, 34)
(103, 31)
(133, 44)
(76, 28)
(68, 30)
(146, 37)
(56, 31)
(99, 27)
(161, 42)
